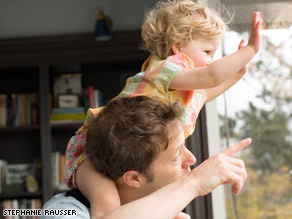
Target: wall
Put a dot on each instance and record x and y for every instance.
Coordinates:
(19, 18)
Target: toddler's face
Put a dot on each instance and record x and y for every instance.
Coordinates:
(200, 50)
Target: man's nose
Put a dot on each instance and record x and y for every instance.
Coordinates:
(190, 159)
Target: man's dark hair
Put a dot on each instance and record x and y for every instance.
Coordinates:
(129, 133)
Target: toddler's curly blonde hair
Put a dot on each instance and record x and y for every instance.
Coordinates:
(172, 21)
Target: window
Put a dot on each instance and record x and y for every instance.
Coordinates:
(258, 106)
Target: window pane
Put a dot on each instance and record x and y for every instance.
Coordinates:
(260, 106)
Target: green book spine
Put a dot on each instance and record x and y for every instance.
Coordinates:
(69, 116)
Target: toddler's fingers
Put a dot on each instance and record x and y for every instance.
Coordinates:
(241, 44)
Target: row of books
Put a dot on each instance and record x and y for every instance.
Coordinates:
(58, 168)
(23, 109)
(19, 109)
(72, 84)
(20, 204)
(92, 99)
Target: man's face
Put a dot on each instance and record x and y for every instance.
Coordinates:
(172, 163)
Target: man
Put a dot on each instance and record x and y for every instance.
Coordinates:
(139, 143)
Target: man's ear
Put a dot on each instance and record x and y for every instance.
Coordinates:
(175, 48)
(132, 178)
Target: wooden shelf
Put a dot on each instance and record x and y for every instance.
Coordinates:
(19, 129)
(27, 195)
(67, 125)
(71, 49)
(29, 65)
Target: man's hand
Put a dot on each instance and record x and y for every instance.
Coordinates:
(255, 31)
(222, 168)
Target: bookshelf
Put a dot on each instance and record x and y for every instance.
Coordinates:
(30, 65)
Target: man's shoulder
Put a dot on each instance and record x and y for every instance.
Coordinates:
(62, 206)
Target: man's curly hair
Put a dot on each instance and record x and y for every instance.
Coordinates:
(128, 134)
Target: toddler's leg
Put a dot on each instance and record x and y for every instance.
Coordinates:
(100, 191)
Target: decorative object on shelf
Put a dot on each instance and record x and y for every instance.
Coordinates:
(31, 183)
(67, 90)
(102, 26)
(15, 177)
(67, 84)
(68, 100)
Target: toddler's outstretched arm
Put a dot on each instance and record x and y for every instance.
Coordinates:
(101, 191)
(212, 93)
(222, 69)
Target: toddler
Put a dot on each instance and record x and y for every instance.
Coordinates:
(182, 36)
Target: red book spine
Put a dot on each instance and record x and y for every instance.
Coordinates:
(91, 96)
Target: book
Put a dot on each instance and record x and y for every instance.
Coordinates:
(32, 203)
(68, 110)
(97, 98)
(62, 183)
(18, 112)
(14, 109)
(3, 110)
(62, 169)
(22, 203)
(38, 204)
(63, 122)
(9, 111)
(28, 110)
(67, 116)
(91, 96)
(34, 109)
(58, 168)
(15, 205)
(55, 163)
(7, 205)
(85, 99)
(23, 109)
